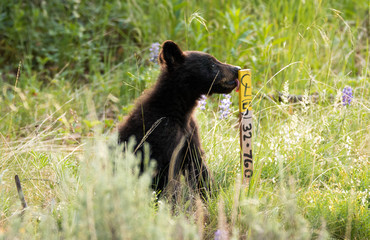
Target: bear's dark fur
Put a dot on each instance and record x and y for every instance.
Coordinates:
(163, 116)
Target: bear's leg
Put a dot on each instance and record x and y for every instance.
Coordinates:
(199, 176)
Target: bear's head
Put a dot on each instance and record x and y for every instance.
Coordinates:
(197, 71)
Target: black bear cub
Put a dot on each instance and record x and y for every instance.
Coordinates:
(163, 116)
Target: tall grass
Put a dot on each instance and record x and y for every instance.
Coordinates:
(307, 166)
(107, 199)
(84, 63)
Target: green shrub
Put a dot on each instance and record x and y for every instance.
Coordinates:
(107, 199)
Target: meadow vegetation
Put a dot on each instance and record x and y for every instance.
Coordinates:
(70, 71)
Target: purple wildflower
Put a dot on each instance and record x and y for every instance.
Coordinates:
(225, 106)
(154, 52)
(220, 235)
(347, 96)
(202, 102)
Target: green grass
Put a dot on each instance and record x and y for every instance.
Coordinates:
(84, 63)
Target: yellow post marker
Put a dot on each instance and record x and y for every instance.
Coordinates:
(245, 112)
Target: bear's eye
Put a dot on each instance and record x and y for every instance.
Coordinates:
(213, 65)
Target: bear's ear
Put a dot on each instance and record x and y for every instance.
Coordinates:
(171, 54)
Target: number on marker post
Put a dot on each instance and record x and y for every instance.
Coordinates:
(246, 126)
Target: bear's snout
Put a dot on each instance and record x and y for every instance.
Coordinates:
(229, 80)
(234, 70)
(230, 76)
